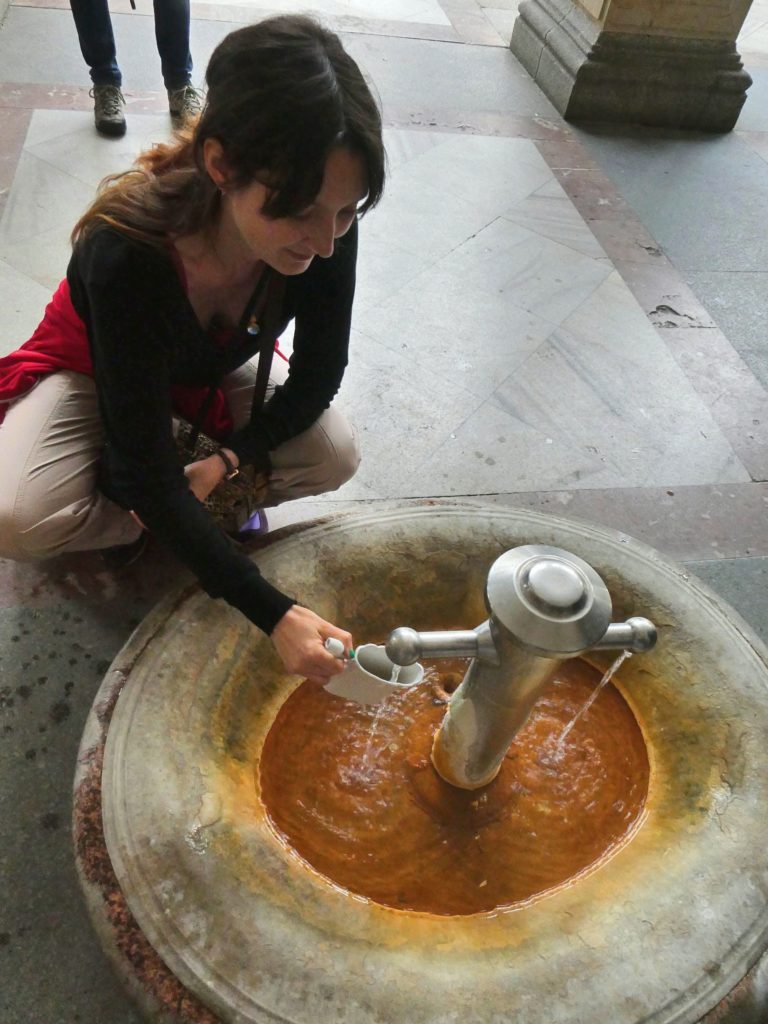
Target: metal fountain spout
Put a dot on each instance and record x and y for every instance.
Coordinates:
(545, 605)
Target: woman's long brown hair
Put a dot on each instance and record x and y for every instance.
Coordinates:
(281, 95)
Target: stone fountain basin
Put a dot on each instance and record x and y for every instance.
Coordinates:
(659, 932)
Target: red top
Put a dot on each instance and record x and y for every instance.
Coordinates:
(61, 343)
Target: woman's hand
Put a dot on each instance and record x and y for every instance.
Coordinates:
(205, 475)
(299, 637)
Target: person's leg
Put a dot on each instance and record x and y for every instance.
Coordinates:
(97, 41)
(172, 35)
(50, 444)
(320, 459)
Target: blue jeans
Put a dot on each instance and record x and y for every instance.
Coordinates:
(97, 42)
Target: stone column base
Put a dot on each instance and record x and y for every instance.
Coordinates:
(593, 75)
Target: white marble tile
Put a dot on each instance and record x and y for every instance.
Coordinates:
(754, 41)
(490, 173)
(45, 125)
(605, 384)
(503, 5)
(42, 257)
(427, 12)
(756, 16)
(550, 213)
(455, 331)
(401, 415)
(503, 20)
(42, 198)
(494, 451)
(78, 151)
(382, 270)
(22, 301)
(757, 142)
(403, 145)
(530, 271)
(415, 218)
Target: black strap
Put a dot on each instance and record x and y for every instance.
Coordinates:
(268, 295)
(273, 307)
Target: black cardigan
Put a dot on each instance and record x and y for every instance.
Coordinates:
(145, 338)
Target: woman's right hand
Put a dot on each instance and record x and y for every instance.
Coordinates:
(298, 639)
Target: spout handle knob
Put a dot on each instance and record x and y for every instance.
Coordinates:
(636, 634)
(403, 646)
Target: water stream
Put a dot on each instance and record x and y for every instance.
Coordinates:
(594, 695)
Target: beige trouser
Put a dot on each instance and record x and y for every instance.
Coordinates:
(51, 441)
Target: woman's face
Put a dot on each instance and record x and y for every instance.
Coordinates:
(289, 244)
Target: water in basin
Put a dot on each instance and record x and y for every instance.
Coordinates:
(352, 789)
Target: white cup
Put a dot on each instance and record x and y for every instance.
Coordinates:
(367, 678)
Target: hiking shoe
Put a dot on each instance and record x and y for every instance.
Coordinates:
(108, 106)
(184, 103)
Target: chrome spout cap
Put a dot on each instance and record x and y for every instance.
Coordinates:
(547, 600)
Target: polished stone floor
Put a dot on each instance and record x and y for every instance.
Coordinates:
(566, 319)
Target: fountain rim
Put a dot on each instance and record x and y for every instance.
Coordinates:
(144, 634)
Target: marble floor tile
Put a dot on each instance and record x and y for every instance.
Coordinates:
(494, 450)
(42, 257)
(756, 141)
(737, 302)
(422, 76)
(22, 301)
(42, 199)
(503, 20)
(532, 272)
(422, 11)
(79, 152)
(401, 414)
(402, 146)
(605, 384)
(743, 584)
(382, 270)
(663, 175)
(757, 16)
(490, 173)
(456, 332)
(754, 113)
(549, 212)
(414, 219)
